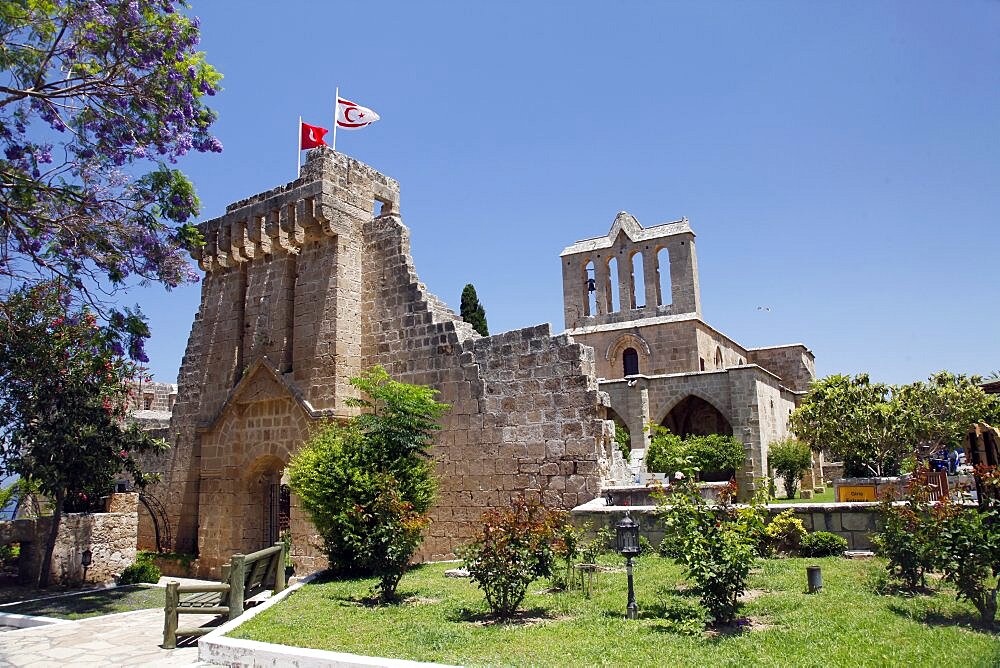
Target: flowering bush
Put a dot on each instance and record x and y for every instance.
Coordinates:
(716, 544)
(513, 548)
(907, 540)
(93, 93)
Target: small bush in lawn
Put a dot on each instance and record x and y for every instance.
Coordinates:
(822, 544)
(143, 570)
(907, 539)
(716, 543)
(967, 544)
(784, 533)
(513, 548)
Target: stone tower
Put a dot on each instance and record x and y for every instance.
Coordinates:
(305, 286)
(658, 360)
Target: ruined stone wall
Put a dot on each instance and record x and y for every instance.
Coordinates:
(525, 418)
(110, 537)
(793, 363)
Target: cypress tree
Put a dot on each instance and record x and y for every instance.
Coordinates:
(472, 311)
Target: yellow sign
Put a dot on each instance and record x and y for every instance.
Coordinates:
(856, 493)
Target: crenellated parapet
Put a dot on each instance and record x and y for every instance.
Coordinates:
(332, 193)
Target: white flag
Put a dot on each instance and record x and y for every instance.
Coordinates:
(352, 116)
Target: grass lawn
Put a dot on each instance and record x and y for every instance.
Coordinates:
(91, 603)
(442, 619)
(826, 497)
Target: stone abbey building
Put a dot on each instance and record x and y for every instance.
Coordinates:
(658, 360)
(311, 283)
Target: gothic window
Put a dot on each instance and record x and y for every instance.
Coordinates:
(663, 268)
(630, 360)
(613, 302)
(638, 281)
(718, 357)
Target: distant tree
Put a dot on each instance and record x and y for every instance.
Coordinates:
(862, 423)
(65, 386)
(872, 427)
(90, 94)
(472, 311)
(945, 406)
(789, 458)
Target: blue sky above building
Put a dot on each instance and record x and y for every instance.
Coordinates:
(839, 162)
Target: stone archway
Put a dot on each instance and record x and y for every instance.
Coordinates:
(692, 415)
(266, 508)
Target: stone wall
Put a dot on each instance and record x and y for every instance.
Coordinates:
(525, 418)
(110, 537)
(855, 522)
(793, 363)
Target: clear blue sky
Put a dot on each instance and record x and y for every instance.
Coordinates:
(840, 162)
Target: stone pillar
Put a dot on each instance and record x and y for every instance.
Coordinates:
(625, 299)
(684, 276)
(603, 280)
(651, 277)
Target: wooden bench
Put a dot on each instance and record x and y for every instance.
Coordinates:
(245, 576)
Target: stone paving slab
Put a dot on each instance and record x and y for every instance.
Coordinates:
(125, 639)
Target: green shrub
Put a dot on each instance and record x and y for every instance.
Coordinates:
(822, 544)
(665, 453)
(784, 533)
(907, 539)
(716, 543)
(715, 452)
(513, 547)
(367, 485)
(668, 453)
(143, 570)
(789, 458)
(967, 544)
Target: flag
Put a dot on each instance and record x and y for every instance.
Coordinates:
(352, 116)
(312, 136)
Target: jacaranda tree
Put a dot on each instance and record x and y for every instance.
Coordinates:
(97, 99)
(65, 384)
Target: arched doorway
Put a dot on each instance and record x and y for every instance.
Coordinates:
(269, 504)
(695, 416)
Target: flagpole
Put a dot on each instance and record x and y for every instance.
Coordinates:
(298, 153)
(336, 108)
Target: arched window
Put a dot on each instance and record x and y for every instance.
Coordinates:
(663, 268)
(590, 305)
(613, 304)
(630, 360)
(718, 357)
(638, 281)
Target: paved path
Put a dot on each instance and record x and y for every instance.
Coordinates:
(126, 639)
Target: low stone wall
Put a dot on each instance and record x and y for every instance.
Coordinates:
(110, 537)
(855, 522)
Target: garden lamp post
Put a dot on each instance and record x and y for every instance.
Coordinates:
(628, 545)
